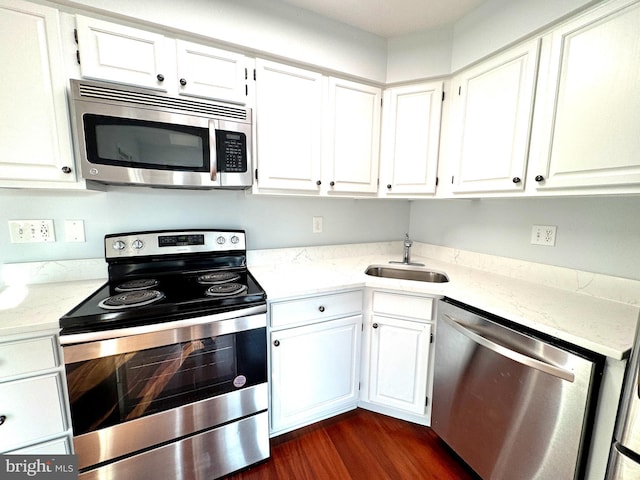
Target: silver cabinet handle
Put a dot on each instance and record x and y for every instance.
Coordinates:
(512, 354)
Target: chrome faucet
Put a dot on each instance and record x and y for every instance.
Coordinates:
(406, 253)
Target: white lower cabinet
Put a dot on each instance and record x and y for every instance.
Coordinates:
(398, 363)
(318, 370)
(397, 366)
(314, 367)
(34, 408)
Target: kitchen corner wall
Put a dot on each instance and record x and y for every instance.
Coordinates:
(270, 222)
(595, 234)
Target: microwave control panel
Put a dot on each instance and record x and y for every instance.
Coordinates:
(232, 151)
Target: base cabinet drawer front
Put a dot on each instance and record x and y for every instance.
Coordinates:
(25, 356)
(317, 308)
(314, 371)
(32, 409)
(59, 446)
(403, 305)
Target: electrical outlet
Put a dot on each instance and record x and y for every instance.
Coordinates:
(543, 235)
(74, 231)
(31, 231)
(317, 224)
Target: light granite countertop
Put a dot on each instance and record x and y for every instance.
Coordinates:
(595, 312)
(566, 304)
(38, 307)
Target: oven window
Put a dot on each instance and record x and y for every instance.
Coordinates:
(111, 390)
(146, 144)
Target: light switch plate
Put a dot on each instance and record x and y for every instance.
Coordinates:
(31, 231)
(318, 224)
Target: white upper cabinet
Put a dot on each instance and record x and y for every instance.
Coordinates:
(492, 113)
(205, 71)
(410, 139)
(118, 53)
(353, 127)
(289, 104)
(35, 150)
(123, 54)
(315, 135)
(589, 103)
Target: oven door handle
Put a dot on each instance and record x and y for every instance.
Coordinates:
(91, 345)
(518, 357)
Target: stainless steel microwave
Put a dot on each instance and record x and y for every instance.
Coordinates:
(135, 136)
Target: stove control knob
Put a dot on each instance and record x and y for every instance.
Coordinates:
(221, 240)
(119, 245)
(235, 239)
(137, 244)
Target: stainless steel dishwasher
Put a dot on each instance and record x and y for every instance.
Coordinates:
(512, 405)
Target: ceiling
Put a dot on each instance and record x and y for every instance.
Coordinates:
(390, 18)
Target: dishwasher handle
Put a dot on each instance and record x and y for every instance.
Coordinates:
(509, 353)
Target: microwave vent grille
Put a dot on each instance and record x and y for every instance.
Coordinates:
(151, 99)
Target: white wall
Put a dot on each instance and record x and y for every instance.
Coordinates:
(498, 23)
(270, 222)
(595, 234)
(494, 25)
(273, 28)
(420, 55)
(262, 27)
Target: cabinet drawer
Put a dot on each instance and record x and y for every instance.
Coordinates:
(30, 355)
(59, 446)
(316, 308)
(33, 410)
(403, 305)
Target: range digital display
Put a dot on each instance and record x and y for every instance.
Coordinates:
(180, 240)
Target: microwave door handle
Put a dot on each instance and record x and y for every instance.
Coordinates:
(213, 149)
(509, 353)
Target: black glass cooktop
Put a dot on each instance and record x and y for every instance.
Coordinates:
(165, 297)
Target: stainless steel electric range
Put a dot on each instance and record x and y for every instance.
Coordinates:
(166, 363)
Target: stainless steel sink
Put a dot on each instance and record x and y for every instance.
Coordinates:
(406, 273)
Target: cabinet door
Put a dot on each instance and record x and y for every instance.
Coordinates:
(493, 105)
(398, 367)
(122, 54)
(353, 129)
(205, 71)
(410, 139)
(289, 127)
(34, 123)
(590, 105)
(314, 371)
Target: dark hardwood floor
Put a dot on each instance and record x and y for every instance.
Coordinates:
(359, 445)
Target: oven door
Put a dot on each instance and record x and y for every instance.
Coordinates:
(131, 393)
